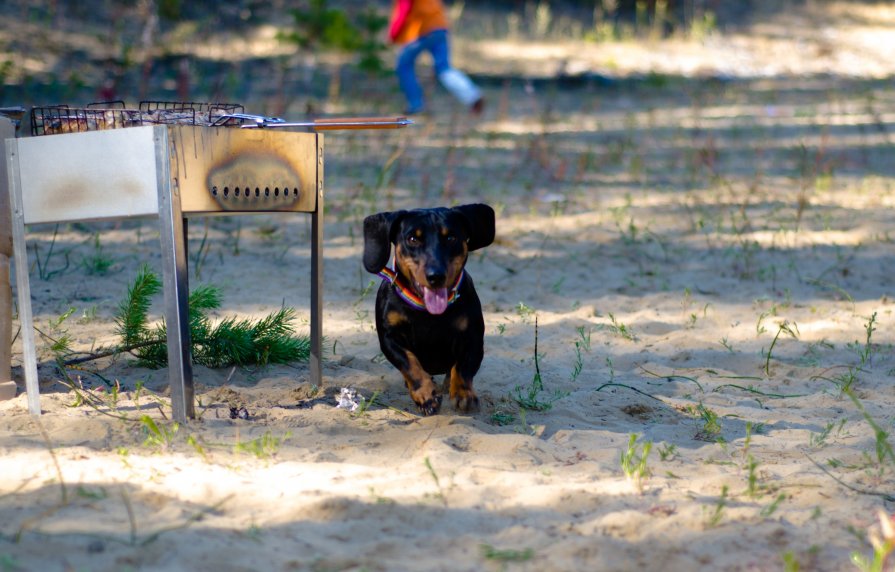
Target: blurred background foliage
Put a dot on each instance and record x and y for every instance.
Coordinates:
(53, 51)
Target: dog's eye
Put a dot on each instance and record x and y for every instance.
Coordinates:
(414, 240)
(451, 238)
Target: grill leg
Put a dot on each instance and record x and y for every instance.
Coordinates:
(172, 227)
(317, 276)
(23, 284)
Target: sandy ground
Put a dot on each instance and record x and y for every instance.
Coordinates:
(708, 264)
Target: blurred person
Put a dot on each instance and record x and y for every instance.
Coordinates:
(422, 25)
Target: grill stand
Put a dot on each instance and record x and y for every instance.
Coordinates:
(173, 167)
(175, 276)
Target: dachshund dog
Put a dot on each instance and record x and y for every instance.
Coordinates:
(428, 316)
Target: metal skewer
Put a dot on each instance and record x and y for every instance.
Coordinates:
(337, 123)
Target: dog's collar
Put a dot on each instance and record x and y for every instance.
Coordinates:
(409, 295)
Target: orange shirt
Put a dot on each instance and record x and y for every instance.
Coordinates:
(422, 17)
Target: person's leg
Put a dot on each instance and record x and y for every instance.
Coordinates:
(454, 80)
(405, 69)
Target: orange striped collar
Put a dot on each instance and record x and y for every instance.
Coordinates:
(409, 295)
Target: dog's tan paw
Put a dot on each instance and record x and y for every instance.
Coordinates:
(465, 401)
(428, 406)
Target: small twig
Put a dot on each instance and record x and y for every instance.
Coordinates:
(610, 384)
(89, 399)
(885, 496)
(376, 399)
(673, 377)
(752, 377)
(111, 352)
(162, 411)
(751, 389)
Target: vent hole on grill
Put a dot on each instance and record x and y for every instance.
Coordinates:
(236, 191)
(266, 192)
(214, 191)
(295, 192)
(257, 193)
(226, 191)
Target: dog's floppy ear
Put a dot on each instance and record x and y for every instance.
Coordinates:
(379, 230)
(480, 221)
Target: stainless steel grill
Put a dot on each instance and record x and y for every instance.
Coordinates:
(173, 161)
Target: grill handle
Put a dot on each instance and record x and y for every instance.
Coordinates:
(333, 123)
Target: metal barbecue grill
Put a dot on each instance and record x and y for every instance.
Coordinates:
(170, 160)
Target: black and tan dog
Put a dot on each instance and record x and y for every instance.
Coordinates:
(428, 316)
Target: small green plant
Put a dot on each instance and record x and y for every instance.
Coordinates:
(883, 542)
(262, 447)
(97, 263)
(530, 397)
(506, 555)
(790, 562)
(715, 514)
(726, 343)
(711, 425)
(865, 351)
(784, 327)
(667, 452)
(580, 344)
(752, 487)
(884, 450)
(818, 440)
(365, 404)
(620, 329)
(772, 507)
(60, 339)
(158, 436)
(846, 380)
(525, 312)
(193, 442)
(633, 461)
(501, 417)
(440, 494)
(43, 270)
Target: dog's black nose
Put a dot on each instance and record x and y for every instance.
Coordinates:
(435, 278)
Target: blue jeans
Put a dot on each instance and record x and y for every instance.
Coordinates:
(436, 43)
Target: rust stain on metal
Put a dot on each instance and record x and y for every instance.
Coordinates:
(70, 194)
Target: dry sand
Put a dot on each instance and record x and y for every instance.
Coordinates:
(664, 238)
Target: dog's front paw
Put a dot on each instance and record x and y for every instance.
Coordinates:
(465, 400)
(428, 406)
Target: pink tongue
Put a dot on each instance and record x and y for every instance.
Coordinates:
(436, 300)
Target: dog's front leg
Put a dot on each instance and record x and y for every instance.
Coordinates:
(462, 394)
(422, 387)
(419, 383)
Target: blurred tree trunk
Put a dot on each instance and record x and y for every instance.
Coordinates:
(7, 386)
(148, 13)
